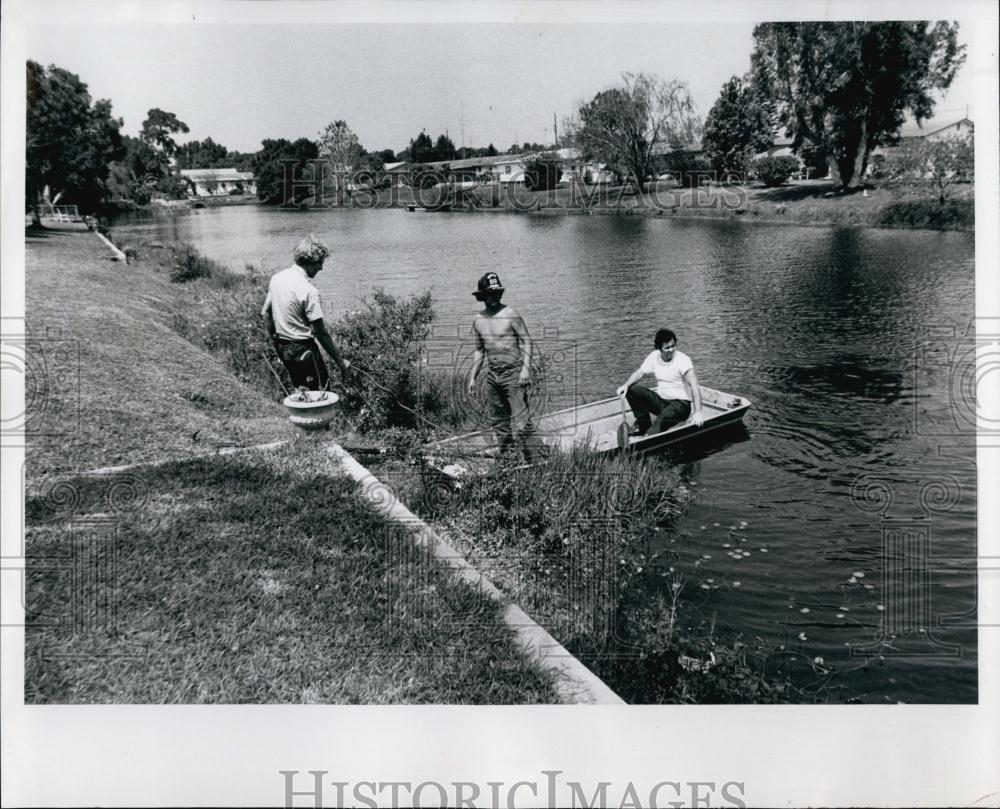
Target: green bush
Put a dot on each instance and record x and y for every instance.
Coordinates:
(688, 169)
(189, 264)
(775, 170)
(930, 214)
(384, 341)
(542, 174)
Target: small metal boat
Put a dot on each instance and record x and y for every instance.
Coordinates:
(596, 426)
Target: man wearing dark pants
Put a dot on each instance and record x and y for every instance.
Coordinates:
(676, 389)
(293, 316)
(503, 342)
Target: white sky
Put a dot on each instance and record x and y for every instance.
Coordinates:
(240, 83)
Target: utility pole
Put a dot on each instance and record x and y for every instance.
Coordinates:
(555, 129)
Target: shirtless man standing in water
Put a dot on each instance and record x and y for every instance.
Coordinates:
(502, 340)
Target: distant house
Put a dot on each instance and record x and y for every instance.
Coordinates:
(912, 132)
(397, 172)
(937, 129)
(575, 166)
(219, 182)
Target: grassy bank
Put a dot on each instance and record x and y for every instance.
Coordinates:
(113, 382)
(572, 543)
(256, 577)
(810, 202)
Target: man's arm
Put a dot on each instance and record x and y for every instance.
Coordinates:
(268, 317)
(477, 359)
(695, 390)
(636, 376)
(325, 340)
(526, 345)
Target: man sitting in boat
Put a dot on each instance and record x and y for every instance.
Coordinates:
(502, 340)
(676, 389)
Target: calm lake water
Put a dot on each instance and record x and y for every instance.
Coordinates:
(856, 476)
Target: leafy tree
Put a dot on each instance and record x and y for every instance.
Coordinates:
(737, 128)
(370, 161)
(206, 154)
(444, 148)
(542, 173)
(622, 125)
(158, 129)
(339, 146)
(269, 169)
(940, 164)
(69, 141)
(846, 86)
(422, 149)
(491, 151)
(388, 156)
(688, 168)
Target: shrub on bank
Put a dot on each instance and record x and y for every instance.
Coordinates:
(952, 214)
(775, 170)
(189, 264)
(390, 383)
(579, 544)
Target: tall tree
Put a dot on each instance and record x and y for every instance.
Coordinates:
(846, 86)
(339, 146)
(69, 140)
(737, 127)
(269, 169)
(158, 129)
(422, 149)
(206, 154)
(622, 126)
(444, 148)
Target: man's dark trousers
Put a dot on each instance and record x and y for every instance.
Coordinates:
(509, 408)
(646, 405)
(304, 362)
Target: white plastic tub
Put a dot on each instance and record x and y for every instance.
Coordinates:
(314, 414)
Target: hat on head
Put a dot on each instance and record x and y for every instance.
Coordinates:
(488, 283)
(311, 251)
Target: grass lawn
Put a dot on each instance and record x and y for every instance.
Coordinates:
(251, 579)
(255, 577)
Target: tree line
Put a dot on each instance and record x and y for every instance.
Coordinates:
(837, 90)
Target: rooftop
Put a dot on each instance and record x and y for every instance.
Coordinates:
(216, 175)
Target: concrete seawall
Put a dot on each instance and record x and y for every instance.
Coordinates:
(574, 682)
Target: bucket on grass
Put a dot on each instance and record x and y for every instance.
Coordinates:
(311, 409)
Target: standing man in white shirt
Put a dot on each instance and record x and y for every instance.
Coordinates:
(293, 316)
(676, 389)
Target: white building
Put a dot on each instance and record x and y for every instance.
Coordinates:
(937, 129)
(219, 182)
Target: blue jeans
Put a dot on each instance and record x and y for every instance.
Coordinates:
(646, 405)
(509, 409)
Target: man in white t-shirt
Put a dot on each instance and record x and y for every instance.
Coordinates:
(676, 389)
(293, 316)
